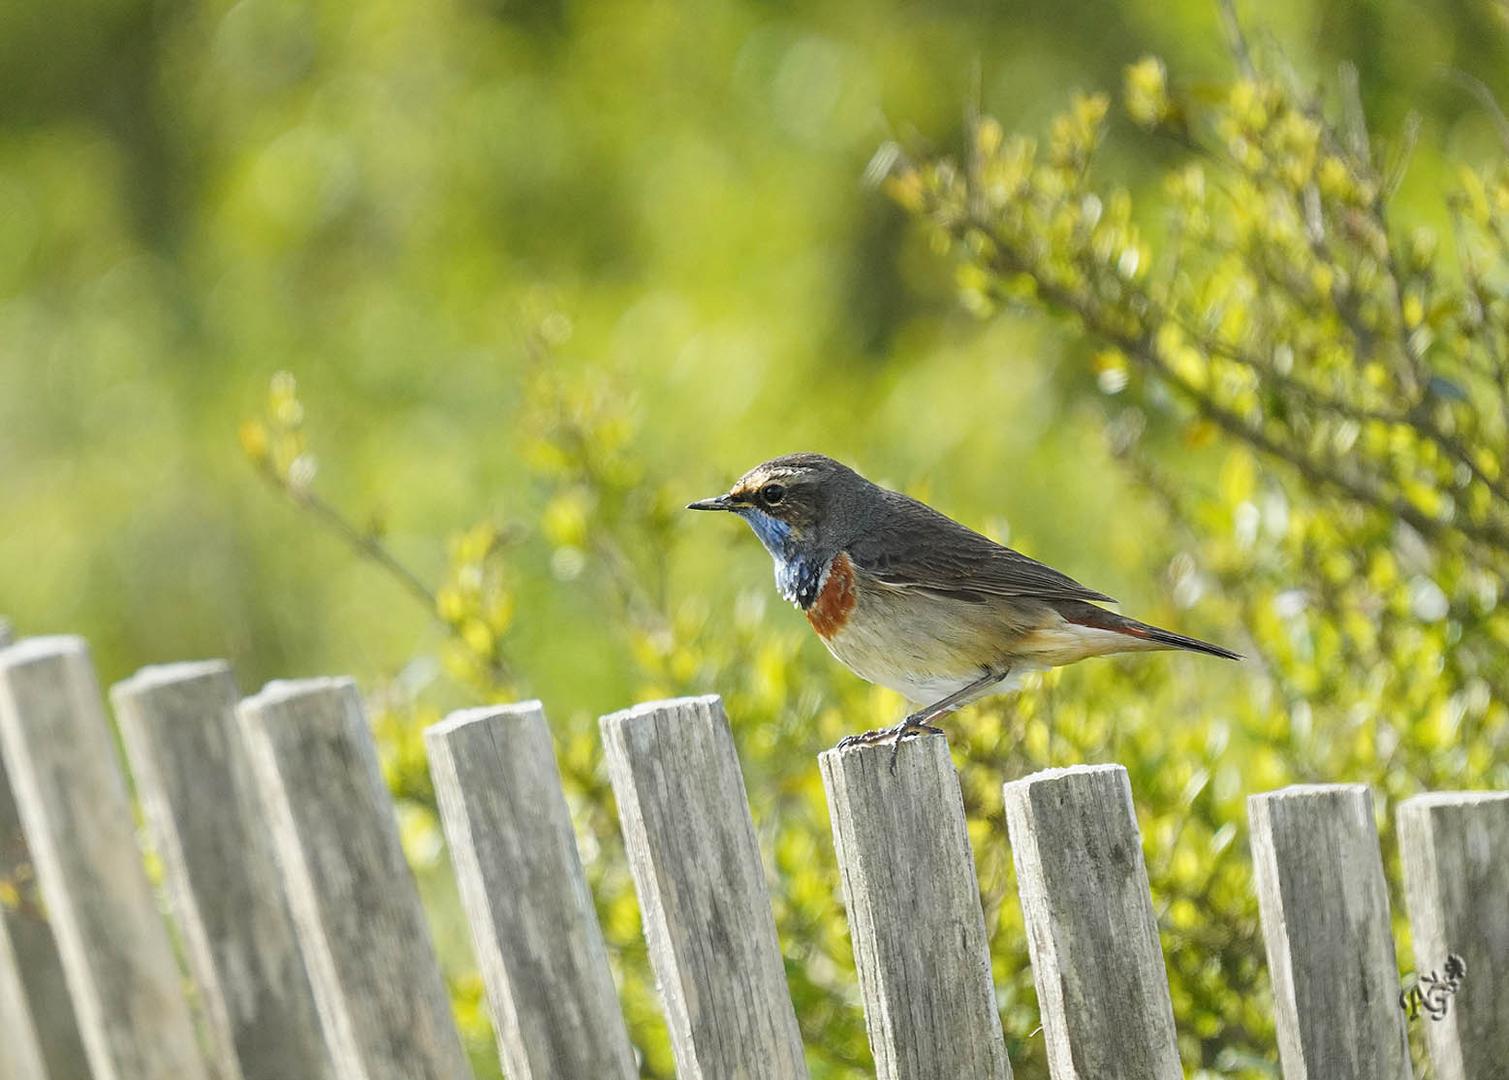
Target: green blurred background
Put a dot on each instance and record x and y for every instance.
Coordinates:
(384, 197)
(448, 219)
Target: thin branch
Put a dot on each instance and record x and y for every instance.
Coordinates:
(1417, 420)
(1479, 90)
(1327, 473)
(363, 543)
(368, 547)
(1354, 116)
(1236, 38)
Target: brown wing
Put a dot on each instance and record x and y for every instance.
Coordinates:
(912, 546)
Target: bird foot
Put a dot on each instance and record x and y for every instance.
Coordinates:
(915, 724)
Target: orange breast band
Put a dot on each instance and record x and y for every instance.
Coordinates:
(836, 601)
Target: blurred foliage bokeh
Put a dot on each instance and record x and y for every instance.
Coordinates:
(388, 338)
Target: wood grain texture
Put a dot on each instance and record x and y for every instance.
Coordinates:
(1325, 910)
(696, 867)
(1101, 983)
(60, 755)
(20, 1053)
(1455, 849)
(206, 822)
(909, 886)
(42, 1034)
(35, 1010)
(353, 897)
(551, 993)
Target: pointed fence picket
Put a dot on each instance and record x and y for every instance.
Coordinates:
(376, 982)
(1325, 910)
(538, 941)
(702, 891)
(906, 867)
(1096, 962)
(36, 1013)
(74, 807)
(1455, 848)
(310, 955)
(205, 818)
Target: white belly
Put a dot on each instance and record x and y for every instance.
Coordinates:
(922, 659)
(926, 691)
(924, 650)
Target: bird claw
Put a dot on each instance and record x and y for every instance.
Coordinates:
(865, 738)
(915, 724)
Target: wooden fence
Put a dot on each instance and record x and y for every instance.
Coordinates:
(308, 954)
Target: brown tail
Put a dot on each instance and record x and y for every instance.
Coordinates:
(1176, 641)
(1090, 615)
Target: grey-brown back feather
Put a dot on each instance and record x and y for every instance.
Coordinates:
(909, 545)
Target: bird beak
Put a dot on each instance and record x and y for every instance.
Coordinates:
(721, 502)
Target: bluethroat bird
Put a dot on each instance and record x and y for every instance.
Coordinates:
(910, 599)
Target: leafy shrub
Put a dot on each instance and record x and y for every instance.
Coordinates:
(1350, 370)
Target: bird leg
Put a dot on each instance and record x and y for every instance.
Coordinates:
(921, 721)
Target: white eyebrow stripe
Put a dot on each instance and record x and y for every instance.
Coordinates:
(754, 483)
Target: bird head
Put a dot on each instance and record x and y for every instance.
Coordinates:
(792, 503)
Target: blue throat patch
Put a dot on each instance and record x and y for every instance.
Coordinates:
(796, 573)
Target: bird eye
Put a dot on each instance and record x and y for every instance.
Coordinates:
(771, 494)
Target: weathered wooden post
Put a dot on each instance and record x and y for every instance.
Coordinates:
(60, 755)
(206, 821)
(696, 867)
(1101, 984)
(538, 942)
(1325, 911)
(36, 1013)
(909, 885)
(354, 901)
(1455, 847)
